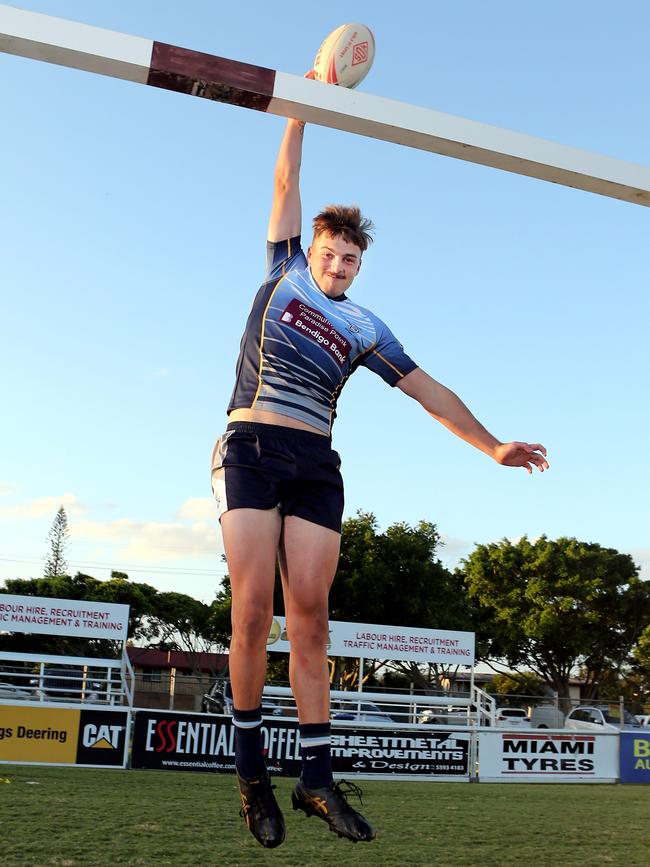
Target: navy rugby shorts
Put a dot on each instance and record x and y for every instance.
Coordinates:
(263, 466)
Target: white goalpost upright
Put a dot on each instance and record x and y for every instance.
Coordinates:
(145, 61)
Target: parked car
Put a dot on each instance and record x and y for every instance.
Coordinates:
(9, 692)
(643, 719)
(546, 716)
(446, 716)
(600, 719)
(512, 717)
(365, 712)
(66, 683)
(218, 699)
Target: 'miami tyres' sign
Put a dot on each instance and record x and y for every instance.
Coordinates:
(533, 756)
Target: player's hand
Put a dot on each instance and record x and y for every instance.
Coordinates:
(526, 455)
(311, 74)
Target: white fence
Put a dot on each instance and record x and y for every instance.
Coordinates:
(404, 709)
(33, 678)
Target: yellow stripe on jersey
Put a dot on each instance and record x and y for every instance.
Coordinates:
(386, 361)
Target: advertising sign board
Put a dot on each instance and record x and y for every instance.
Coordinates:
(371, 641)
(176, 741)
(39, 614)
(635, 757)
(557, 757)
(63, 736)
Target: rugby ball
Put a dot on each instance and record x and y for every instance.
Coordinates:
(346, 56)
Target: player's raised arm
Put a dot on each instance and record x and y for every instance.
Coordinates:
(447, 408)
(286, 212)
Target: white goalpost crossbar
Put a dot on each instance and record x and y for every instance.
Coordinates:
(145, 61)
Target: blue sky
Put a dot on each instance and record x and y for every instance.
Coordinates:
(132, 231)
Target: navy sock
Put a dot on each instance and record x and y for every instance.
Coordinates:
(316, 753)
(249, 758)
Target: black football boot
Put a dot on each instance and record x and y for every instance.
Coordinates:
(260, 810)
(330, 803)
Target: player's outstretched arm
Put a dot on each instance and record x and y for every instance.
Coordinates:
(447, 408)
(286, 212)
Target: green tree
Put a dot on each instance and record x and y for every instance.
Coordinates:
(639, 676)
(180, 622)
(395, 578)
(627, 683)
(58, 538)
(641, 652)
(556, 606)
(522, 684)
(174, 621)
(218, 622)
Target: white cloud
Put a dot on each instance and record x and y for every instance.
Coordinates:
(641, 557)
(198, 509)
(6, 490)
(453, 550)
(44, 507)
(151, 541)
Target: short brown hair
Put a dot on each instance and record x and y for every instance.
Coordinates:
(347, 222)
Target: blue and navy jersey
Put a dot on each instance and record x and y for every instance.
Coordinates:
(300, 346)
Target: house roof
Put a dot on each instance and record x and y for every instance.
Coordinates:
(147, 657)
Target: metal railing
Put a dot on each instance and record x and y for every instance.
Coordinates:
(386, 709)
(31, 678)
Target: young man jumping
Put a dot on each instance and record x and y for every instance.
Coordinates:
(278, 487)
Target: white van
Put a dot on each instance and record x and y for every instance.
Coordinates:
(546, 716)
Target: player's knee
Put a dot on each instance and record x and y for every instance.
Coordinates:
(309, 629)
(251, 625)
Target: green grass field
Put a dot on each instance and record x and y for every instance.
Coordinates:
(75, 817)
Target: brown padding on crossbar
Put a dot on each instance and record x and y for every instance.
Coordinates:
(211, 77)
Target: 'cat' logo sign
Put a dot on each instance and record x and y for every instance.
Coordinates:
(105, 737)
(102, 738)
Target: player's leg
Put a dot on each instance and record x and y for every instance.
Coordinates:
(246, 491)
(308, 559)
(251, 539)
